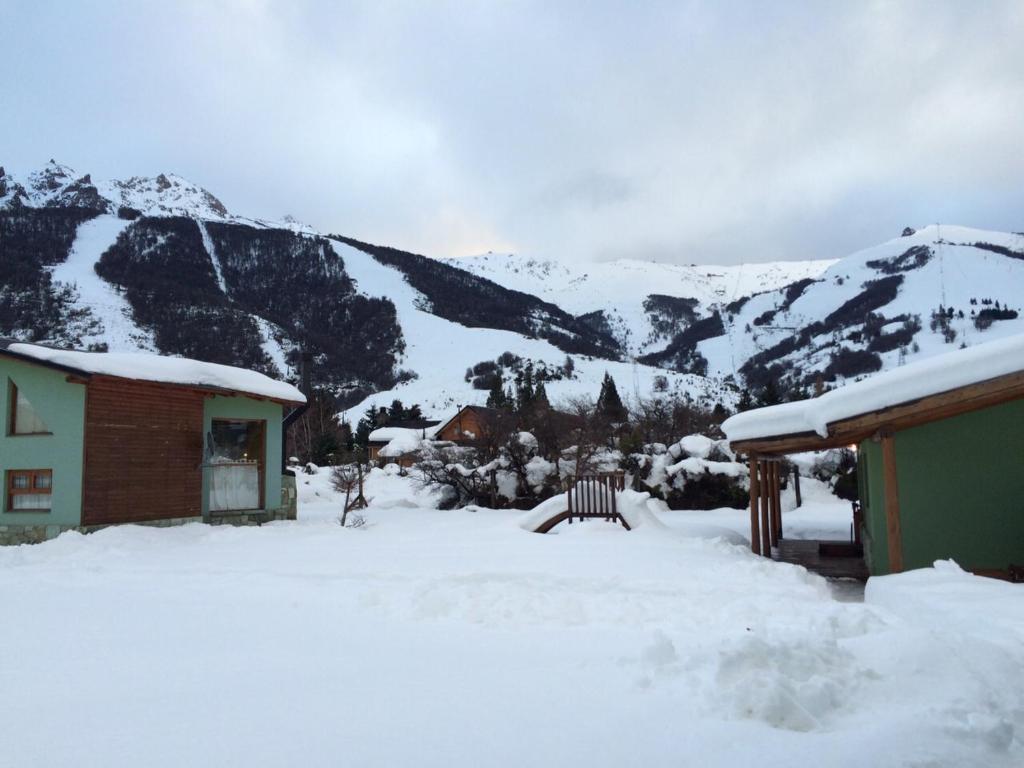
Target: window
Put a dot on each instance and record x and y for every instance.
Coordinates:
(28, 490)
(24, 419)
(236, 452)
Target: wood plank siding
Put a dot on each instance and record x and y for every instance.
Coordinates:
(143, 451)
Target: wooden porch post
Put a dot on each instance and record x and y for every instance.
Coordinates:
(755, 528)
(766, 541)
(892, 504)
(776, 507)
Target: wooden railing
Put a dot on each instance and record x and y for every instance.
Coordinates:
(593, 496)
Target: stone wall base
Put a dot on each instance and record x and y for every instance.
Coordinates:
(247, 518)
(31, 534)
(35, 534)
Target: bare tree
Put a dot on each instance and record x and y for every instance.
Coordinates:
(348, 479)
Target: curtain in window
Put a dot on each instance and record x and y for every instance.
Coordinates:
(26, 420)
(26, 501)
(234, 485)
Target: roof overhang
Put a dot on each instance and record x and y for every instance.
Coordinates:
(79, 373)
(4, 352)
(943, 405)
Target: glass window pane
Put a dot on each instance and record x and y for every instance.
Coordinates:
(26, 420)
(19, 481)
(237, 440)
(43, 481)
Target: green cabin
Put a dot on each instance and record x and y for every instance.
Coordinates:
(940, 464)
(91, 439)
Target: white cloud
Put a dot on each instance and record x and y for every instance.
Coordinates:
(682, 131)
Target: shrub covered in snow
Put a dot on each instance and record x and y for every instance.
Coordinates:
(696, 472)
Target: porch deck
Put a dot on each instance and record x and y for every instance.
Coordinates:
(832, 559)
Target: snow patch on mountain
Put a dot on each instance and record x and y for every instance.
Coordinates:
(117, 328)
(620, 288)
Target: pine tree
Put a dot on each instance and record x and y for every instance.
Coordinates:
(524, 388)
(540, 397)
(769, 395)
(497, 398)
(609, 404)
(746, 401)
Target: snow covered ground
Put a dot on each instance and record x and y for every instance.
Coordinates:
(434, 638)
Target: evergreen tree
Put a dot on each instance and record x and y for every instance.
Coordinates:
(497, 397)
(540, 397)
(609, 404)
(524, 388)
(746, 401)
(769, 395)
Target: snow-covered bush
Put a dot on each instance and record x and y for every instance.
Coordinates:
(517, 476)
(696, 472)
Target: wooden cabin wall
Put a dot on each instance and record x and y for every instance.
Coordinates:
(143, 451)
(469, 421)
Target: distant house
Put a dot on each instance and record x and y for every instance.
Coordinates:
(471, 424)
(940, 455)
(92, 439)
(398, 441)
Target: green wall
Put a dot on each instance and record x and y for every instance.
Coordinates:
(961, 491)
(872, 501)
(221, 407)
(62, 406)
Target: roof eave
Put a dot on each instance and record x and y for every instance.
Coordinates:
(853, 429)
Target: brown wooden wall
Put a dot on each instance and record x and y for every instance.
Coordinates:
(468, 421)
(143, 450)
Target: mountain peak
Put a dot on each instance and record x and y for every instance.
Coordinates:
(167, 194)
(56, 184)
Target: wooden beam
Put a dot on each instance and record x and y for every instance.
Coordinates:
(894, 534)
(766, 542)
(776, 504)
(755, 528)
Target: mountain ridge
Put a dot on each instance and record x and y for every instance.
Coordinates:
(160, 264)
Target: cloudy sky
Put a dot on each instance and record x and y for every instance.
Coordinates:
(678, 131)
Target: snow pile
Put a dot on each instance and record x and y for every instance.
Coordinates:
(884, 390)
(159, 368)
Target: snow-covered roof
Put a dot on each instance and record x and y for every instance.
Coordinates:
(387, 434)
(942, 373)
(158, 368)
(402, 444)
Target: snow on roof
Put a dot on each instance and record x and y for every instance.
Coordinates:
(158, 368)
(402, 444)
(387, 434)
(884, 390)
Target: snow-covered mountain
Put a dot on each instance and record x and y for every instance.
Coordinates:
(911, 297)
(161, 264)
(622, 290)
(792, 323)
